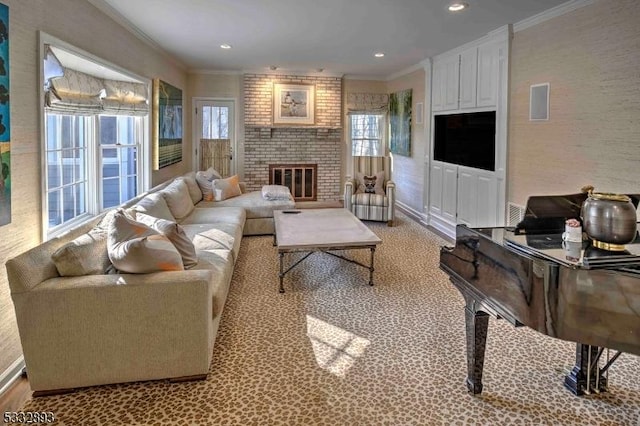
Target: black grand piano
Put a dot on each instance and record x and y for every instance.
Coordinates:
(526, 276)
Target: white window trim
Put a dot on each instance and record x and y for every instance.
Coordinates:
(93, 197)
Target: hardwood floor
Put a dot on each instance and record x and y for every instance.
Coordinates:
(15, 396)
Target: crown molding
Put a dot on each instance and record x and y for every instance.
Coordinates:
(364, 77)
(551, 13)
(108, 10)
(285, 71)
(215, 72)
(405, 71)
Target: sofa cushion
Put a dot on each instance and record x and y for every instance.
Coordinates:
(370, 184)
(175, 233)
(176, 194)
(194, 190)
(233, 215)
(253, 203)
(204, 179)
(138, 249)
(85, 255)
(154, 205)
(214, 236)
(223, 189)
(367, 199)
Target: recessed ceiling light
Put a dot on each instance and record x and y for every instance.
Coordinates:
(378, 55)
(225, 46)
(457, 7)
(273, 67)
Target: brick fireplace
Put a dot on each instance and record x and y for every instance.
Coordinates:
(268, 145)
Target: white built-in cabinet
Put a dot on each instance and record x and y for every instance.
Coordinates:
(470, 78)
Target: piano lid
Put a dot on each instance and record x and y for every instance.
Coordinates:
(547, 214)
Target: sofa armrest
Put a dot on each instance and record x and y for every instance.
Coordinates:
(390, 190)
(112, 328)
(348, 192)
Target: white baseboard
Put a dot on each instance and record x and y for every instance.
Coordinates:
(11, 374)
(445, 227)
(411, 212)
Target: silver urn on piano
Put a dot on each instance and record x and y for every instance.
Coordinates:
(608, 219)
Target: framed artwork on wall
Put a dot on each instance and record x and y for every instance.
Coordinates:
(5, 119)
(293, 103)
(167, 124)
(400, 122)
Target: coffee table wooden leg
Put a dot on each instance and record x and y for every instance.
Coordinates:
(373, 251)
(281, 255)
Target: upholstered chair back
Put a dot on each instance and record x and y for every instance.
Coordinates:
(372, 165)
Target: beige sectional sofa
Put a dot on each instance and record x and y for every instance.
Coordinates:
(112, 327)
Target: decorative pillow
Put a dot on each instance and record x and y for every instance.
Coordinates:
(175, 233)
(194, 190)
(371, 184)
(226, 188)
(177, 197)
(204, 182)
(86, 255)
(137, 249)
(154, 205)
(275, 192)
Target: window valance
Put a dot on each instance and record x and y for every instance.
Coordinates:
(68, 91)
(367, 103)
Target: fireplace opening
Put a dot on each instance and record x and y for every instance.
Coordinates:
(301, 179)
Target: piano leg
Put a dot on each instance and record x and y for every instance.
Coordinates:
(477, 323)
(586, 371)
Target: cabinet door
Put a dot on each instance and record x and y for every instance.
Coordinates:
(467, 196)
(437, 84)
(488, 73)
(435, 189)
(487, 200)
(449, 192)
(452, 81)
(468, 77)
(477, 197)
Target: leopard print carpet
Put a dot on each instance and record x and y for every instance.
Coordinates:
(334, 351)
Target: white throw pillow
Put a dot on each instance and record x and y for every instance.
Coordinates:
(177, 197)
(275, 192)
(194, 190)
(85, 255)
(175, 233)
(138, 249)
(204, 182)
(154, 205)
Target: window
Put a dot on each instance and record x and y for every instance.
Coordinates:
(367, 135)
(66, 167)
(72, 183)
(96, 127)
(119, 136)
(215, 122)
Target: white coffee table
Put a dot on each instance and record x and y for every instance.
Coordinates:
(324, 230)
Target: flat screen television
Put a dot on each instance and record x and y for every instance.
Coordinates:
(466, 139)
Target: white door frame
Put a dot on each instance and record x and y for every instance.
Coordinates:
(196, 131)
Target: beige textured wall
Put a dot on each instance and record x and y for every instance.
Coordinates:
(409, 172)
(79, 23)
(591, 58)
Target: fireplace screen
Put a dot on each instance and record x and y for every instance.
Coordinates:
(301, 179)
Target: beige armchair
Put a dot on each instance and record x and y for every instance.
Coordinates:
(370, 193)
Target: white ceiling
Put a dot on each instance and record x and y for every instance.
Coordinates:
(339, 36)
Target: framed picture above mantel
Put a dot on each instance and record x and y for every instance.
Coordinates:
(294, 104)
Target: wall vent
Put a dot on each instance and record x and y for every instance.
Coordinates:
(516, 214)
